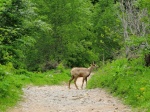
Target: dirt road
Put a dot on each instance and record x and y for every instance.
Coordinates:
(61, 99)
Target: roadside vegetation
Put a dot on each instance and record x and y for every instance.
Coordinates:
(12, 81)
(128, 80)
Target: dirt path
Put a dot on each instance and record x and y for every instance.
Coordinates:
(61, 99)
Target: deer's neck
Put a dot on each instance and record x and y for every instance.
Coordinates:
(90, 69)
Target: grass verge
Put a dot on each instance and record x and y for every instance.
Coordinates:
(129, 80)
(12, 81)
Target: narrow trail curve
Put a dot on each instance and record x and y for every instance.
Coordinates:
(61, 99)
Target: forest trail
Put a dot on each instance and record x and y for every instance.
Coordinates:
(61, 99)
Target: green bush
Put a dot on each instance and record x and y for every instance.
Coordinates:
(126, 79)
(10, 86)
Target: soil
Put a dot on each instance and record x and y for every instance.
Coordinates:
(61, 99)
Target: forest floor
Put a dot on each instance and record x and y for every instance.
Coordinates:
(61, 99)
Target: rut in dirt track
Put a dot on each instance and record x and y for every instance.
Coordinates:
(61, 99)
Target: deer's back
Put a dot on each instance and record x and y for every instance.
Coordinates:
(79, 72)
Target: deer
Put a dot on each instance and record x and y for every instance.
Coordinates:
(77, 72)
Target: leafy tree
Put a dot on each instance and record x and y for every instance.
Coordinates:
(106, 28)
(14, 32)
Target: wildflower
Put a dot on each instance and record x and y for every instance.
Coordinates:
(142, 89)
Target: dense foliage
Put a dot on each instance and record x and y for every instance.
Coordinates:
(38, 35)
(15, 34)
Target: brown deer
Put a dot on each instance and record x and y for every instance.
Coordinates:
(81, 72)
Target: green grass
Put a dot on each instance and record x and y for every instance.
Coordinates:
(129, 80)
(12, 81)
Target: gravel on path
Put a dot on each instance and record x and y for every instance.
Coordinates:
(61, 99)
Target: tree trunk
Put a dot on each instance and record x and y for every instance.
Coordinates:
(147, 60)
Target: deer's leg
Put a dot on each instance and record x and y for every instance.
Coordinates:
(70, 81)
(75, 82)
(83, 82)
(86, 81)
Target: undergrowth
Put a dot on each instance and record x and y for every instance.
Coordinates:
(12, 81)
(130, 80)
